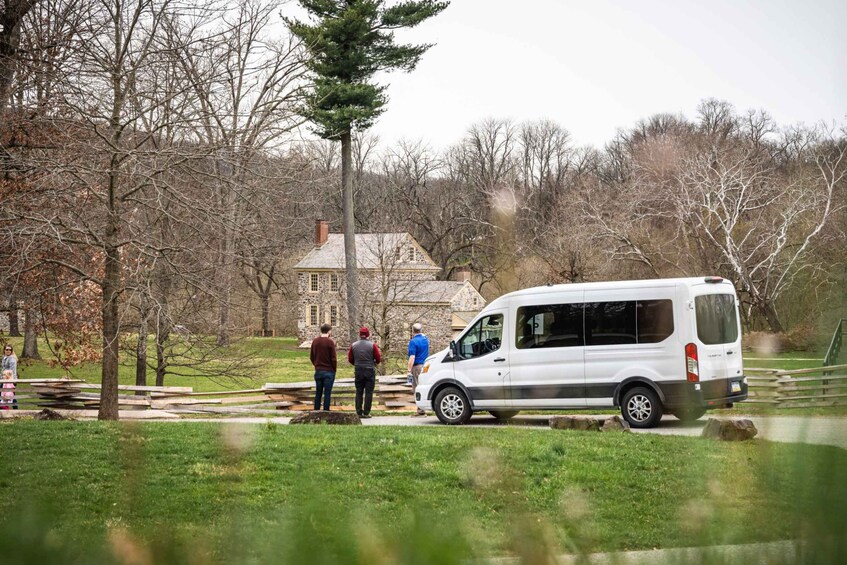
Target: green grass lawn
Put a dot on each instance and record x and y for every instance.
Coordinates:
(321, 494)
(278, 360)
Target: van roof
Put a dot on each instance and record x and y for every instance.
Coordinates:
(605, 285)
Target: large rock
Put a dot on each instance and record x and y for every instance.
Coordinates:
(583, 423)
(729, 430)
(48, 414)
(327, 417)
(615, 424)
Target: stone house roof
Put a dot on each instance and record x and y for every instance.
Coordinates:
(428, 292)
(373, 251)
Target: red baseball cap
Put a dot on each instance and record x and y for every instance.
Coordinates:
(364, 332)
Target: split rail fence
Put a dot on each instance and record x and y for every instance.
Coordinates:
(390, 393)
(798, 388)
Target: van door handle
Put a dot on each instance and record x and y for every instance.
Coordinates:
(498, 359)
(730, 352)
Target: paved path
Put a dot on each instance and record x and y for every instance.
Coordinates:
(815, 429)
(748, 554)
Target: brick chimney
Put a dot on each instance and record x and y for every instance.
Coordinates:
(321, 232)
(462, 274)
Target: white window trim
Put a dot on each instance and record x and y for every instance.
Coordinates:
(337, 286)
(317, 282)
(313, 319)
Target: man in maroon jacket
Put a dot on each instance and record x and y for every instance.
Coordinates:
(364, 355)
(325, 361)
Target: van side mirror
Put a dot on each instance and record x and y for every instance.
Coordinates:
(453, 348)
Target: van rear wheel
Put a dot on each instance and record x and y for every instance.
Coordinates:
(452, 406)
(503, 414)
(641, 408)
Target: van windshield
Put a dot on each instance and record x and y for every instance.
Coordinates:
(717, 321)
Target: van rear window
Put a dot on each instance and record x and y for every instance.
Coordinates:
(717, 320)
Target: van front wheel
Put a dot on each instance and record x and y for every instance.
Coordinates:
(452, 406)
(641, 408)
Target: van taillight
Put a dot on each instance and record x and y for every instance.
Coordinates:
(692, 367)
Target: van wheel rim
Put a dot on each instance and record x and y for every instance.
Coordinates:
(639, 408)
(452, 406)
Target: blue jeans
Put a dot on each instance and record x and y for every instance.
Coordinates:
(323, 387)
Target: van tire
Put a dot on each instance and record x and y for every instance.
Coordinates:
(452, 406)
(641, 407)
(504, 414)
(689, 414)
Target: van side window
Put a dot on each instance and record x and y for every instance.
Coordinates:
(610, 323)
(655, 320)
(550, 325)
(483, 338)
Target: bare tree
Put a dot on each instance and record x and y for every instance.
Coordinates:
(11, 19)
(762, 223)
(245, 87)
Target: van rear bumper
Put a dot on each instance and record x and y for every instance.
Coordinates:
(714, 393)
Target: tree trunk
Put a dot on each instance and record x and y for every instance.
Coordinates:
(223, 338)
(30, 350)
(14, 328)
(111, 283)
(227, 252)
(141, 346)
(161, 359)
(266, 315)
(349, 226)
(163, 323)
(767, 310)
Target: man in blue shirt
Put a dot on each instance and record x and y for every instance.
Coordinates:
(418, 352)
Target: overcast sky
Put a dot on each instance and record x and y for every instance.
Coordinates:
(598, 65)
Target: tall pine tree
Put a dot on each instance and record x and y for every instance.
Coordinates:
(348, 42)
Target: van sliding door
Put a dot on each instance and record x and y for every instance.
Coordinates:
(547, 360)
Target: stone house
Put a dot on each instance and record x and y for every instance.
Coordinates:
(398, 287)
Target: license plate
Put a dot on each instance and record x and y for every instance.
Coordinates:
(735, 386)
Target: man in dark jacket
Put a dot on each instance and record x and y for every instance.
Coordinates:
(325, 361)
(364, 355)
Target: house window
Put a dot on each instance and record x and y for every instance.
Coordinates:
(333, 283)
(411, 253)
(313, 282)
(313, 315)
(333, 316)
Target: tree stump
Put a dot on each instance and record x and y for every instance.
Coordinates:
(583, 423)
(48, 414)
(336, 418)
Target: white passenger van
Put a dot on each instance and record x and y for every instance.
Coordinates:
(649, 347)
